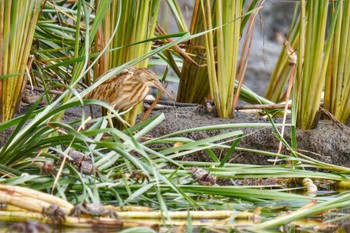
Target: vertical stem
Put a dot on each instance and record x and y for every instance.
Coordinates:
(292, 63)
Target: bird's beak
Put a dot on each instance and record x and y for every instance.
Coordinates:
(159, 85)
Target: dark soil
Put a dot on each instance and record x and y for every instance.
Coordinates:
(327, 142)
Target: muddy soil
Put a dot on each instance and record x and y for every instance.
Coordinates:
(328, 142)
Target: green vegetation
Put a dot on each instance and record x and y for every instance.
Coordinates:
(321, 63)
(17, 25)
(85, 160)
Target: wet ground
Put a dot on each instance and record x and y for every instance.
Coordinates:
(328, 142)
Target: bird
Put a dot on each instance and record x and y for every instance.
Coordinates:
(127, 89)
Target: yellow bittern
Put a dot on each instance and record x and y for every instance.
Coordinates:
(127, 89)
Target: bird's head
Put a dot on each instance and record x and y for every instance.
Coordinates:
(151, 79)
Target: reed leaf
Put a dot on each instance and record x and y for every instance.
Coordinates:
(316, 56)
(219, 72)
(276, 88)
(313, 60)
(337, 88)
(17, 25)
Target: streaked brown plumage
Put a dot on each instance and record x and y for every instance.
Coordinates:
(127, 89)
